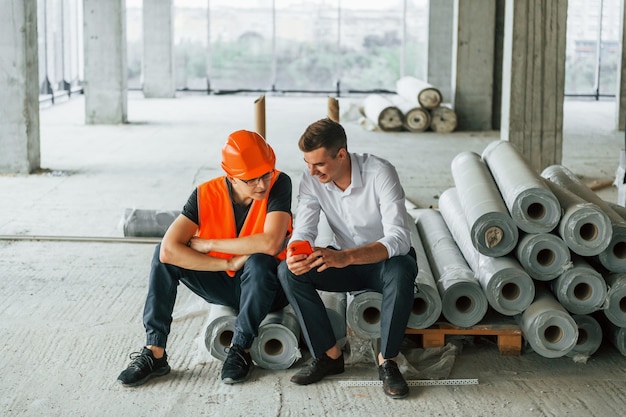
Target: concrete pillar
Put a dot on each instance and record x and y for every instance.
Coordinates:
(620, 111)
(533, 80)
(105, 61)
(19, 79)
(440, 37)
(472, 63)
(497, 67)
(158, 49)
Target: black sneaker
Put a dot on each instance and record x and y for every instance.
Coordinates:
(237, 365)
(142, 367)
(318, 369)
(394, 384)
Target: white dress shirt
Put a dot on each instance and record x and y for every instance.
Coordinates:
(371, 209)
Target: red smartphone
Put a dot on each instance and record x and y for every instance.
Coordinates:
(301, 247)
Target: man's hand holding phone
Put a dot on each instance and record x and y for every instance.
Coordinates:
(300, 247)
(298, 260)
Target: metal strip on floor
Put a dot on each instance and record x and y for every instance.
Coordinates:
(412, 383)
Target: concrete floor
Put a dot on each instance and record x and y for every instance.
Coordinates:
(71, 310)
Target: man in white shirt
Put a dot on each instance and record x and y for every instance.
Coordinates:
(364, 203)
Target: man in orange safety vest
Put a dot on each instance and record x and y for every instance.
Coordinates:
(225, 246)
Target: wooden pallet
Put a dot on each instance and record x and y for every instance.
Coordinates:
(509, 335)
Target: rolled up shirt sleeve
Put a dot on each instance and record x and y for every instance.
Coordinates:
(396, 233)
(307, 214)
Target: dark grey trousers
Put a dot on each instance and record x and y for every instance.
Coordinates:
(394, 278)
(254, 291)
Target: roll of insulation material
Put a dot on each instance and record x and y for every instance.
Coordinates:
(531, 203)
(363, 313)
(584, 227)
(589, 336)
(220, 330)
(276, 346)
(493, 232)
(613, 257)
(543, 255)
(147, 223)
(508, 288)
(580, 289)
(463, 300)
(416, 118)
(548, 327)
(616, 298)
(336, 305)
(426, 299)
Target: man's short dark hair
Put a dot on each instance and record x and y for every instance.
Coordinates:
(324, 133)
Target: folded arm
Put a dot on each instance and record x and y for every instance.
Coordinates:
(270, 242)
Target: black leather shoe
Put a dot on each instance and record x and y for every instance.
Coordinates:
(394, 384)
(318, 369)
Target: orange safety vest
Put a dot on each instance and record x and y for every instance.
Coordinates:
(217, 220)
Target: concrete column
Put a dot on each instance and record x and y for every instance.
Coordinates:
(440, 38)
(620, 111)
(105, 61)
(472, 63)
(158, 49)
(533, 80)
(19, 79)
(497, 66)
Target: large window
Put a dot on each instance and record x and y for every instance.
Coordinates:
(60, 48)
(290, 45)
(593, 47)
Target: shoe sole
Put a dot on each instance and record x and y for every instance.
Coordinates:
(337, 372)
(397, 396)
(160, 372)
(231, 381)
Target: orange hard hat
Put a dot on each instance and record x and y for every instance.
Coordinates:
(246, 155)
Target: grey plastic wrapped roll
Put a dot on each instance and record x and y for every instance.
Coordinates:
(463, 300)
(621, 210)
(508, 288)
(589, 336)
(616, 298)
(426, 299)
(276, 346)
(147, 223)
(336, 305)
(548, 327)
(584, 227)
(531, 203)
(220, 330)
(613, 257)
(543, 255)
(363, 313)
(493, 232)
(580, 289)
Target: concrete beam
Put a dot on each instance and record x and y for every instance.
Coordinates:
(105, 61)
(440, 37)
(472, 63)
(533, 80)
(158, 49)
(19, 80)
(620, 111)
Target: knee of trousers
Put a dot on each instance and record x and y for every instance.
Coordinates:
(287, 278)
(400, 272)
(262, 268)
(261, 262)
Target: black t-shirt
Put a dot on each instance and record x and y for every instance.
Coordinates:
(279, 200)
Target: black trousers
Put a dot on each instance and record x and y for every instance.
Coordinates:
(394, 278)
(254, 291)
